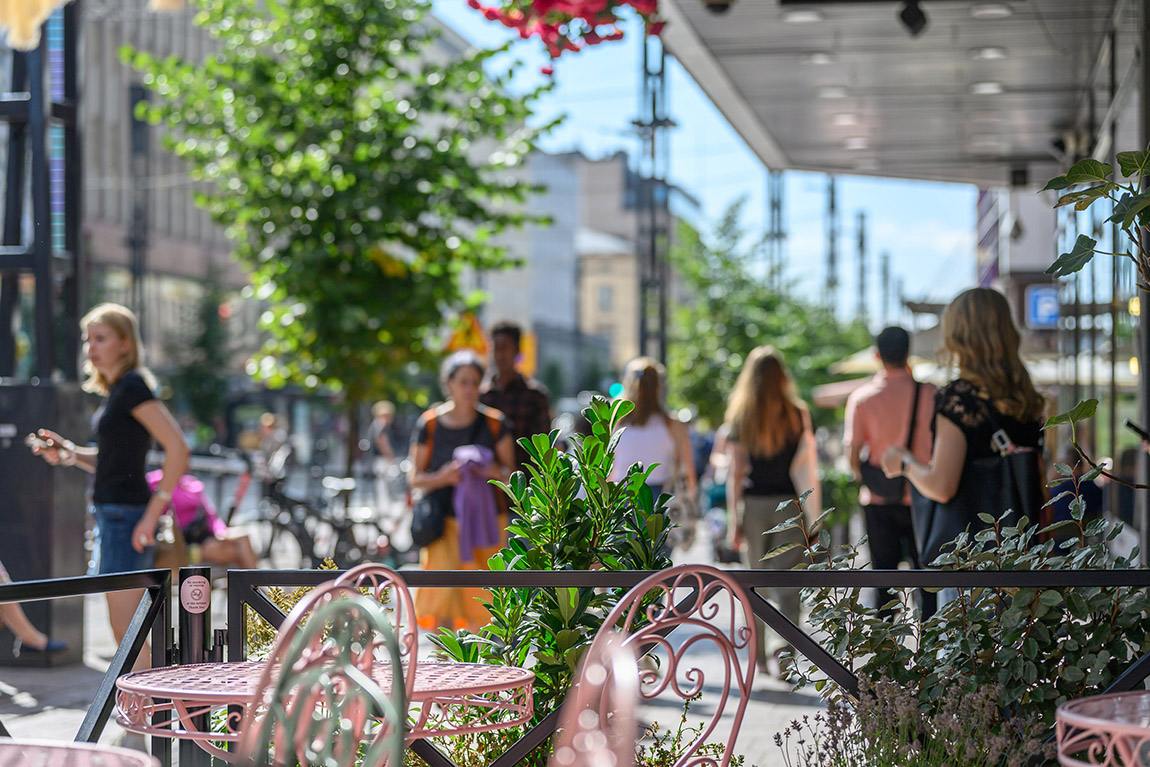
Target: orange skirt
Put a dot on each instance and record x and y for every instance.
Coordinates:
(454, 608)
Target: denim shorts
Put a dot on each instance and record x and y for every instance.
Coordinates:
(113, 552)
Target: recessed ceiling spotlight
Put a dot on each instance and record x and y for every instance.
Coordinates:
(988, 53)
(832, 92)
(855, 143)
(991, 11)
(803, 16)
(846, 119)
(989, 88)
(819, 58)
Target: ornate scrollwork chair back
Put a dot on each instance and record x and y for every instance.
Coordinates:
(316, 702)
(711, 611)
(389, 589)
(598, 725)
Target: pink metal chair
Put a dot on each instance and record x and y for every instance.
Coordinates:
(390, 591)
(1111, 730)
(598, 725)
(691, 598)
(316, 700)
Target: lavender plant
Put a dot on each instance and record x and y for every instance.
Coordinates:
(888, 728)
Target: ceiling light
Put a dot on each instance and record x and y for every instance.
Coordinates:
(991, 11)
(819, 58)
(803, 16)
(912, 18)
(845, 119)
(832, 92)
(855, 143)
(989, 88)
(987, 145)
(988, 53)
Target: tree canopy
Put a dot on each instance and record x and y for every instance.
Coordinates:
(737, 305)
(359, 168)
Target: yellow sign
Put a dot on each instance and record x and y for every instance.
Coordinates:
(528, 354)
(468, 336)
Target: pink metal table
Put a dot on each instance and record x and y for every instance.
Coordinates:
(44, 753)
(450, 698)
(1109, 730)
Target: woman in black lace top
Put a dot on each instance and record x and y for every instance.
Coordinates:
(993, 390)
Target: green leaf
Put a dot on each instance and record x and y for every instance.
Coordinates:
(1078, 257)
(1084, 198)
(1080, 412)
(1128, 208)
(1058, 183)
(1134, 164)
(1089, 171)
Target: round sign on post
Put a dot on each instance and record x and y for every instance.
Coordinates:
(196, 594)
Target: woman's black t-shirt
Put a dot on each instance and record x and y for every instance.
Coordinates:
(445, 439)
(123, 442)
(960, 403)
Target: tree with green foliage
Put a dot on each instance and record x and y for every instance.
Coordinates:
(359, 169)
(736, 307)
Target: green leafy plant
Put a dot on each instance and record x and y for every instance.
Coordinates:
(1040, 647)
(571, 516)
(1089, 181)
(888, 728)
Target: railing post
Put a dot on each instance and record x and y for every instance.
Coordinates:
(195, 620)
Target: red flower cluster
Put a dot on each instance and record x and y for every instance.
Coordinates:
(568, 25)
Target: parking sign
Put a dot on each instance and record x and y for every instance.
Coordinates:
(1042, 307)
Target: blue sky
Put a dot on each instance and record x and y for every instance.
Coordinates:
(926, 227)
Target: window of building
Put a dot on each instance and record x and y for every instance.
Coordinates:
(606, 298)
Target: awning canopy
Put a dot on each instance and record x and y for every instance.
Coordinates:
(984, 90)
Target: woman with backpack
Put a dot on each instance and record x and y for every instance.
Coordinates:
(457, 448)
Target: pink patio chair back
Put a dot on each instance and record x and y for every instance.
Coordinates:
(388, 588)
(710, 612)
(316, 701)
(599, 725)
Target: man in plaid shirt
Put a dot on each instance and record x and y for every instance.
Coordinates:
(523, 400)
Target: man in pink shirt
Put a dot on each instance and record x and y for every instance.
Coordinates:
(880, 414)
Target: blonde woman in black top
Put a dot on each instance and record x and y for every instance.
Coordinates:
(126, 510)
(773, 459)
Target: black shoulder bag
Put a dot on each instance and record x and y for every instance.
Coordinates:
(890, 488)
(429, 517)
(1010, 480)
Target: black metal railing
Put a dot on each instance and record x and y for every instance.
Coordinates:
(244, 589)
(153, 615)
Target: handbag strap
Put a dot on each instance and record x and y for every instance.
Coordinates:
(913, 416)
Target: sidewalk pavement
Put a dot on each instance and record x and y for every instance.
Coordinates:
(51, 703)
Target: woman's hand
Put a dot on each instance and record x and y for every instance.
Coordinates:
(449, 474)
(892, 460)
(50, 452)
(734, 532)
(144, 534)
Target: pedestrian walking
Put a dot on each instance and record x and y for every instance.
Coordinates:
(523, 401)
(990, 412)
(126, 510)
(457, 448)
(891, 409)
(652, 435)
(383, 455)
(774, 459)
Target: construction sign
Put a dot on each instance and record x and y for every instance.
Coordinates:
(469, 335)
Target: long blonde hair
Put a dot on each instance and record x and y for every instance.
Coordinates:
(979, 334)
(121, 321)
(764, 411)
(643, 386)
